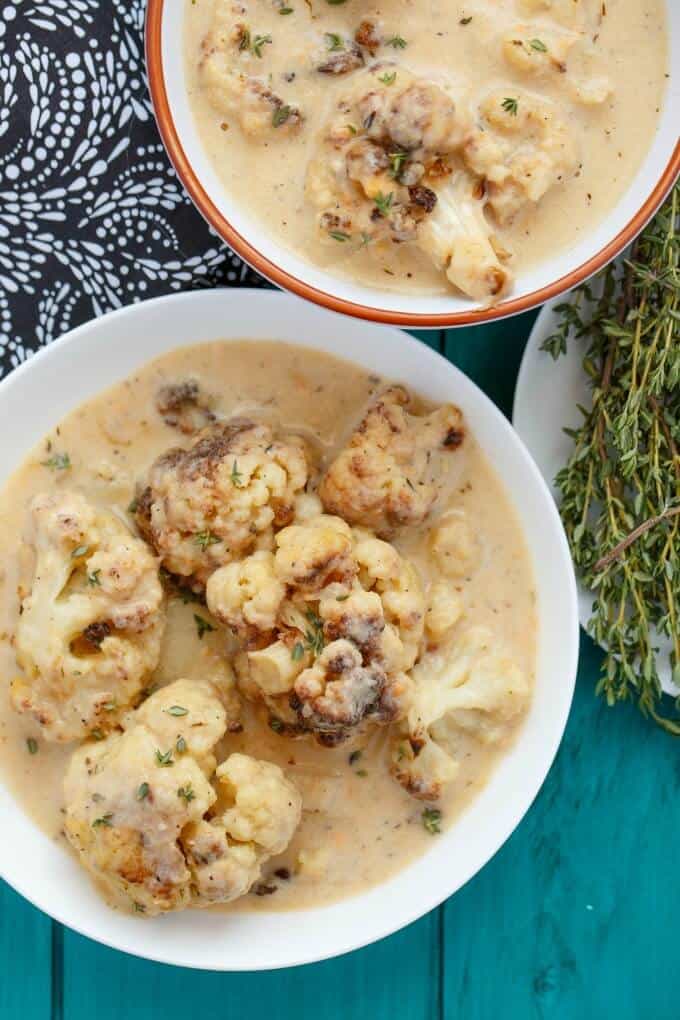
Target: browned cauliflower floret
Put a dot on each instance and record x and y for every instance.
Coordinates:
(381, 171)
(469, 691)
(521, 148)
(184, 406)
(312, 555)
(222, 498)
(348, 623)
(231, 53)
(136, 806)
(387, 475)
(91, 619)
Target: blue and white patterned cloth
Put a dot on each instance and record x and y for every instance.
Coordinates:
(92, 215)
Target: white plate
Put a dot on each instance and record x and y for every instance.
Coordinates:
(43, 390)
(546, 398)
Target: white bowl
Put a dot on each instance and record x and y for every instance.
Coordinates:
(79, 365)
(246, 235)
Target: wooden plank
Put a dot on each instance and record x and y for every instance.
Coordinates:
(490, 356)
(398, 977)
(26, 954)
(577, 916)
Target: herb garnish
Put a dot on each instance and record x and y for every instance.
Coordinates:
(180, 745)
(286, 10)
(103, 822)
(384, 202)
(93, 578)
(236, 476)
(177, 710)
(339, 235)
(397, 160)
(143, 791)
(186, 793)
(164, 760)
(538, 45)
(258, 42)
(279, 117)
(465, 21)
(32, 745)
(314, 634)
(79, 552)
(334, 42)
(431, 818)
(297, 651)
(59, 462)
(397, 42)
(203, 626)
(205, 539)
(354, 757)
(510, 105)
(620, 489)
(388, 79)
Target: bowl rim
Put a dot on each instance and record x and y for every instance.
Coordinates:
(86, 921)
(275, 274)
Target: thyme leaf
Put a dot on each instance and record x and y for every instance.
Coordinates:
(620, 488)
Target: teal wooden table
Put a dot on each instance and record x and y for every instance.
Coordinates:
(577, 917)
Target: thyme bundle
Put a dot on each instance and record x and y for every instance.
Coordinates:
(620, 489)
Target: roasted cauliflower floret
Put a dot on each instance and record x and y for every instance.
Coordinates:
(472, 691)
(184, 406)
(521, 148)
(459, 239)
(229, 56)
(136, 806)
(222, 498)
(339, 691)
(570, 54)
(246, 596)
(257, 813)
(387, 475)
(91, 620)
(264, 807)
(312, 555)
(333, 649)
(383, 161)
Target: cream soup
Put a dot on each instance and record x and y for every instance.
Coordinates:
(427, 146)
(358, 824)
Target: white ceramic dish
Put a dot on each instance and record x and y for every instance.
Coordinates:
(38, 394)
(540, 423)
(244, 233)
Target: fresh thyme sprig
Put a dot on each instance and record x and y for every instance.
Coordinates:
(620, 489)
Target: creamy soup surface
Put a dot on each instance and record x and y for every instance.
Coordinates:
(358, 824)
(556, 105)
